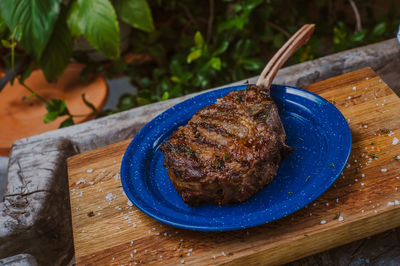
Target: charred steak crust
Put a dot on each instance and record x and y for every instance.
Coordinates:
(228, 151)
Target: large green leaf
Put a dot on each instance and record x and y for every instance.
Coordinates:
(36, 18)
(136, 13)
(73, 20)
(97, 21)
(3, 27)
(58, 50)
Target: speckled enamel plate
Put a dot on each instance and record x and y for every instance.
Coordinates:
(315, 128)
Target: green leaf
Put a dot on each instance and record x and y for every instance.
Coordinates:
(237, 22)
(358, 36)
(175, 68)
(379, 29)
(136, 13)
(36, 19)
(97, 21)
(165, 96)
(126, 101)
(59, 106)
(198, 39)
(175, 79)
(3, 27)
(215, 63)
(142, 101)
(58, 50)
(73, 20)
(252, 64)
(194, 55)
(222, 48)
(8, 44)
(51, 116)
(67, 122)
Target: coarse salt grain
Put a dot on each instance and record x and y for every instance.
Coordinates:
(395, 141)
(182, 261)
(349, 97)
(130, 204)
(110, 196)
(223, 253)
(89, 170)
(323, 222)
(354, 88)
(117, 227)
(80, 181)
(362, 184)
(340, 218)
(383, 170)
(365, 126)
(116, 176)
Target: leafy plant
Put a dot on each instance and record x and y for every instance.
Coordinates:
(45, 31)
(190, 46)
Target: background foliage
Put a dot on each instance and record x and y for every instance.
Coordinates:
(186, 46)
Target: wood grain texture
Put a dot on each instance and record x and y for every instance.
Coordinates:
(362, 202)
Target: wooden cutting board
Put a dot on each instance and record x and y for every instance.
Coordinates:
(363, 201)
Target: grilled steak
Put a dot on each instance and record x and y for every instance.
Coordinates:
(229, 150)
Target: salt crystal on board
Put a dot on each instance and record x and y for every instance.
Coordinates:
(395, 141)
(89, 170)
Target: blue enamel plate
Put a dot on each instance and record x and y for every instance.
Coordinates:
(317, 130)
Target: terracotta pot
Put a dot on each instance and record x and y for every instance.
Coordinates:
(20, 118)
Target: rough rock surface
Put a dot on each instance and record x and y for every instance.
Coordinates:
(35, 214)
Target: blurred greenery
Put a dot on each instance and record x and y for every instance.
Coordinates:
(189, 55)
(190, 46)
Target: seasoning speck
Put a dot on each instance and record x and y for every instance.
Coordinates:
(323, 222)
(340, 218)
(80, 181)
(110, 196)
(89, 170)
(383, 170)
(395, 141)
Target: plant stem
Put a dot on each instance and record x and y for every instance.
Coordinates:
(210, 21)
(357, 15)
(33, 92)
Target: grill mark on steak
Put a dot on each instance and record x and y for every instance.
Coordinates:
(228, 151)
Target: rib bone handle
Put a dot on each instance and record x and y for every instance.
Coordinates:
(300, 38)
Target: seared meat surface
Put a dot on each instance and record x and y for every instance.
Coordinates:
(228, 151)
